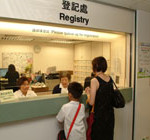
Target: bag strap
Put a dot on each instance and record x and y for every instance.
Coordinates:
(73, 121)
(92, 111)
(114, 83)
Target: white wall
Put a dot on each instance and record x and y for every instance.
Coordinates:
(123, 122)
(59, 55)
(142, 93)
(44, 128)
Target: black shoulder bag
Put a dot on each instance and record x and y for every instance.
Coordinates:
(118, 100)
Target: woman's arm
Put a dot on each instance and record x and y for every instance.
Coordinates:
(91, 93)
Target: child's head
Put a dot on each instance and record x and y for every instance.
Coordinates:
(75, 89)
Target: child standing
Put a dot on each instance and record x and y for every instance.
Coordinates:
(68, 111)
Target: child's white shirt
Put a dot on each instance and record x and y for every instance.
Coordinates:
(66, 115)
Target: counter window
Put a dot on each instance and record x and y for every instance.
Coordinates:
(43, 52)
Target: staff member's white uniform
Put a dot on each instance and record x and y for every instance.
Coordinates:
(66, 114)
(63, 90)
(19, 94)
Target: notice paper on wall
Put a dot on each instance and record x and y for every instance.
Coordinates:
(22, 61)
(144, 60)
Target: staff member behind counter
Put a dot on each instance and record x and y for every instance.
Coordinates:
(24, 91)
(12, 75)
(64, 82)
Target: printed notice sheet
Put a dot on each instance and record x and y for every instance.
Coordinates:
(144, 61)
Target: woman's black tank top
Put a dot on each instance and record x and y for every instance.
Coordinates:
(103, 100)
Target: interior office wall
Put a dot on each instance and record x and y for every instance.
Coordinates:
(97, 49)
(82, 51)
(118, 59)
(114, 52)
(142, 96)
(90, 50)
(59, 55)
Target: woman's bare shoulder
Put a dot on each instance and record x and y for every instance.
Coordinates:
(94, 79)
(95, 82)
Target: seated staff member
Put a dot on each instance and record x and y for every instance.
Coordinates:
(24, 91)
(64, 82)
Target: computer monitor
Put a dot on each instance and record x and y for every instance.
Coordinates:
(40, 78)
(3, 71)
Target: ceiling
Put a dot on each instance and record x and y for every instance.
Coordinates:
(131, 4)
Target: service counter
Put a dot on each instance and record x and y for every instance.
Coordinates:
(35, 118)
(40, 106)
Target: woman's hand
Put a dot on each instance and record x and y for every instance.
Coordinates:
(87, 91)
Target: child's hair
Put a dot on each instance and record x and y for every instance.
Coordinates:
(75, 89)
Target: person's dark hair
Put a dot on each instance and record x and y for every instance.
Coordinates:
(11, 68)
(22, 80)
(92, 74)
(65, 74)
(99, 64)
(75, 89)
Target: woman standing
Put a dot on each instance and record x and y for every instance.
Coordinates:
(100, 95)
(12, 75)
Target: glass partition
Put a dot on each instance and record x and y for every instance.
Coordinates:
(43, 52)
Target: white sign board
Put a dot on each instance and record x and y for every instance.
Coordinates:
(70, 12)
(6, 95)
